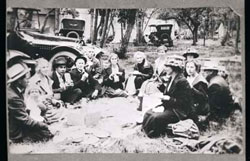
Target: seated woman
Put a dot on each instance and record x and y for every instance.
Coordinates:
(199, 89)
(150, 86)
(63, 84)
(43, 82)
(83, 80)
(143, 70)
(113, 78)
(41, 77)
(176, 100)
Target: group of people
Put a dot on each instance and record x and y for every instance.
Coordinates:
(183, 91)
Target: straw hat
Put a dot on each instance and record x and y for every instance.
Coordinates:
(191, 51)
(162, 48)
(210, 65)
(16, 71)
(174, 61)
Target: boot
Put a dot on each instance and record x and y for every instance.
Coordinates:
(140, 104)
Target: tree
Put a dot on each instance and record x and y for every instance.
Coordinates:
(94, 38)
(104, 31)
(191, 17)
(91, 11)
(46, 19)
(127, 16)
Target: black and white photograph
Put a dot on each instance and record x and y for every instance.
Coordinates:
(135, 80)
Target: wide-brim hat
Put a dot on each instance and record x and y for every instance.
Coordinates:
(210, 65)
(59, 61)
(16, 71)
(175, 61)
(162, 48)
(192, 52)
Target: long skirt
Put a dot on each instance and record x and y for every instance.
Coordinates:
(155, 123)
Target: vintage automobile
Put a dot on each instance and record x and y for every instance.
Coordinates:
(161, 35)
(72, 27)
(36, 45)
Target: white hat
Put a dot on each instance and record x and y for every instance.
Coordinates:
(16, 71)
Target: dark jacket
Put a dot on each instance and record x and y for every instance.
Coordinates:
(109, 82)
(95, 69)
(199, 93)
(89, 83)
(56, 84)
(180, 97)
(146, 69)
(19, 119)
(220, 97)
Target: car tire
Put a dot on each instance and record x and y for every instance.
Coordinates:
(73, 34)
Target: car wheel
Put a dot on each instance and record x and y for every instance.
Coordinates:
(73, 34)
(67, 54)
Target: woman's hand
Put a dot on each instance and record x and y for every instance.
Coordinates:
(165, 97)
(136, 72)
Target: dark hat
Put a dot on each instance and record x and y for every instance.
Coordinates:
(59, 61)
(191, 51)
(81, 57)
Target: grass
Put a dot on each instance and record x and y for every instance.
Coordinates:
(114, 130)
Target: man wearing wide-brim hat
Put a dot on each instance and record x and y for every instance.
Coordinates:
(220, 99)
(191, 53)
(176, 99)
(21, 126)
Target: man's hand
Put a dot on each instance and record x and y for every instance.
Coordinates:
(42, 125)
(84, 76)
(94, 94)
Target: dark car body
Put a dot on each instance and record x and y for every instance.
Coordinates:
(38, 45)
(73, 28)
(162, 35)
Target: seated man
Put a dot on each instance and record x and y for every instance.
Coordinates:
(21, 125)
(93, 65)
(83, 80)
(63, 84)
(220, 97)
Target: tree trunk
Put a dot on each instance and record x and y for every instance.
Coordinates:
(94, 38)
(45, 21)
(121, 33)
(100, 26)
(237, 35)
(125, 39)
(91, 24)
(105, 28)
(57, 12)
(139, 30)
(110, 26)
(195, 32)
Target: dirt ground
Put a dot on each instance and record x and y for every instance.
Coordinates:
(107, 125)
